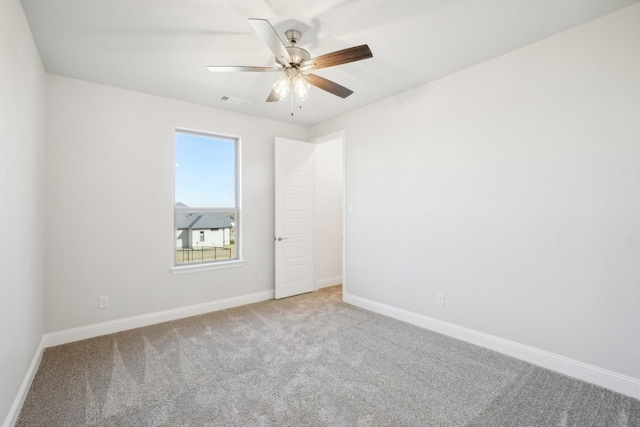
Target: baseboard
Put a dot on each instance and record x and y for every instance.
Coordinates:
(620, 383)
(331, 281)
(12, 416)
(90, 331)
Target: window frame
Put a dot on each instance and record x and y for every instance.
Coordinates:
(238, 261)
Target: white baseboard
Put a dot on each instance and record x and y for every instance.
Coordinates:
(12, 416)
(620, 383)
(330, 281)
(90, 331)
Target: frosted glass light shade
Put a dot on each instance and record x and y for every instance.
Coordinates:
(301, 88)
(282, 87)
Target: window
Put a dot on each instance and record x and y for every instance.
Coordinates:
(206, 199)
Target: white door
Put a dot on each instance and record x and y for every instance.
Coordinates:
(294, 263)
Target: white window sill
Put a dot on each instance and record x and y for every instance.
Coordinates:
(195, 268)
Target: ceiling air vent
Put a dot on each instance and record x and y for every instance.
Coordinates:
(235, 101)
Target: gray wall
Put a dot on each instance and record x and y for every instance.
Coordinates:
(110, 162)
(513, 188)
(22, 98)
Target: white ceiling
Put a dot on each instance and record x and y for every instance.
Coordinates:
(161, 47)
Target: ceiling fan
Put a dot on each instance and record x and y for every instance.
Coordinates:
(295, 63)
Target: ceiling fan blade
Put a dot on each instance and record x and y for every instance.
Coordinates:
(268, 35)
(233, 68)
(343, 56)
(273, 97)
(328, 85)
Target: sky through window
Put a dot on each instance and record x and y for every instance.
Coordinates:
(205, 170)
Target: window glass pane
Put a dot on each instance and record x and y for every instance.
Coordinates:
(205, 236)
(205, 170)
(205, 198)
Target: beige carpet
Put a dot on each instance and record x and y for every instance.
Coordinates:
(309, 360)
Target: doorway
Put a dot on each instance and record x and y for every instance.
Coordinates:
(329, 209)
(309, 214)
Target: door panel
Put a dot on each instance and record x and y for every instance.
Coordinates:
(294, 244)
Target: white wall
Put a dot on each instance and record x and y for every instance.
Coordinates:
(22, 98)
(515, 190)
(110, 196)
(328, 158)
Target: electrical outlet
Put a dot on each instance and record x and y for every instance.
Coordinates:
(104, 301)
(440, 300)
(260, 277)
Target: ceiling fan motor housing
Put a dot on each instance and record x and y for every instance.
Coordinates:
(298, 55)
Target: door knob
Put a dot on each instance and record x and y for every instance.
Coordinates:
(281, 239)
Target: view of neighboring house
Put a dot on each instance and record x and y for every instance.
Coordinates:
(202, 229)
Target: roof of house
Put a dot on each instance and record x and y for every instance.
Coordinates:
(202, 220)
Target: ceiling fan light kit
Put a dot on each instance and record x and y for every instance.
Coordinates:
(292, 82)
(295, 62)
